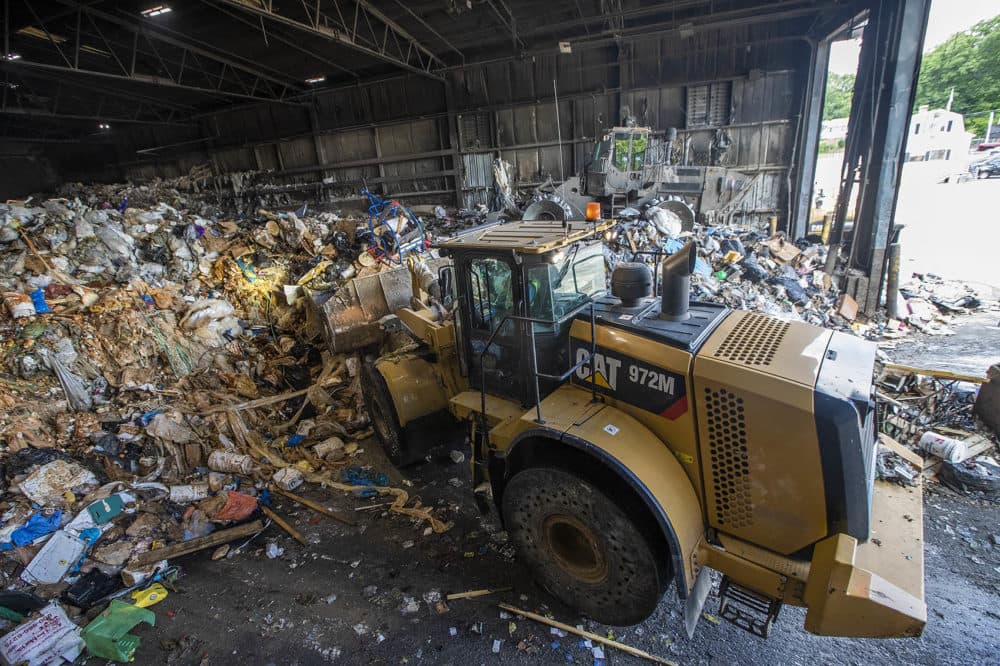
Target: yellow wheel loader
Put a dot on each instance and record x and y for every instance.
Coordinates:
(629, 441)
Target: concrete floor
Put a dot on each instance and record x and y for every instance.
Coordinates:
(303, 607)
(951, 229)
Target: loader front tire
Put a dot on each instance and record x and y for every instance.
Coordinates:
(382, 413)
(581, 546)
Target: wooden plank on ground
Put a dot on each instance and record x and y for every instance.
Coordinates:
(596, 638)
(906, 454)
(940, 374)
(976, 445)
(199, 543)
(318, 508)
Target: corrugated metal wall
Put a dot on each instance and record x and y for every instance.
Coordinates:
(397, 135)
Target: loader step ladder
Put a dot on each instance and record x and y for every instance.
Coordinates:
(619, 202)
(747, 609)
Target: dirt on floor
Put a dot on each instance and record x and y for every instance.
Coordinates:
(366, 594)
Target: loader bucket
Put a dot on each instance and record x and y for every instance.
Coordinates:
(351, 316)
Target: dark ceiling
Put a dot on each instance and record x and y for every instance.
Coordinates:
(68, 67)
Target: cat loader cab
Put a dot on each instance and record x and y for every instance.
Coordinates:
(630, 441)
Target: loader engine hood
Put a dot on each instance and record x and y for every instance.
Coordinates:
(784, 412)
(786, 418)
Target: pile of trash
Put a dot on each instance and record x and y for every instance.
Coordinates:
(752, 270)
(938, 425)
(161, 379)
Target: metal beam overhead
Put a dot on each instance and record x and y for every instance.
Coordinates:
(102, 118)
(281, 38)
(227, 75)
(138, 78)
(365, 29)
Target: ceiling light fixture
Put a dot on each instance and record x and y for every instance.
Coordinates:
(156, 10)
(38, 33)
(316, 79)
(12, 56)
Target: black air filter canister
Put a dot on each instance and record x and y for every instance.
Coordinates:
(630, 282)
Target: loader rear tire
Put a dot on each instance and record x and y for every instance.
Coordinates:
(382, 413)
(581, 546)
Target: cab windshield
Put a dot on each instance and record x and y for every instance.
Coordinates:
(572, 278)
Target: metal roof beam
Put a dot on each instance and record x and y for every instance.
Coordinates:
(138, 78)
(222, 70)
(186, 43)
(284, 40)
(46, 114)
(365, 29)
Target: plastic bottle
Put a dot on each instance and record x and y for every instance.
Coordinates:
(38, 298)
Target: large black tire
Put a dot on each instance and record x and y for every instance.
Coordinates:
(581, 546)
(382, 413)
(971, 476)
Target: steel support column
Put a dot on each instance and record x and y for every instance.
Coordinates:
(807, 149)
(897, 27)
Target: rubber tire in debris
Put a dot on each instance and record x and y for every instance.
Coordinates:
(970, 477)
(382, 413)
(630, 588)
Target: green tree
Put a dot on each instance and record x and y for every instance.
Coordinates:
(839, 92)
(969, 62)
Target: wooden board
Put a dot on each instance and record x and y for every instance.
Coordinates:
(940, 374)
(194, 545)
(906, 454)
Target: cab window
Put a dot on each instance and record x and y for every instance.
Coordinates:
(492, 292)
(621, 151)
(639, 144)
(602, 148)
(557, 288)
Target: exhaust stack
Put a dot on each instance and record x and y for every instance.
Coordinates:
(677, 269)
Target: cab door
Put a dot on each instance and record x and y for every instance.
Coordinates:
(491, 287)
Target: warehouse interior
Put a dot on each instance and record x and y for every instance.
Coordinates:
(242, 255)
(416, 100)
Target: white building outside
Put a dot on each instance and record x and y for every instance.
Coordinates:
(937, 134)
(833, 130)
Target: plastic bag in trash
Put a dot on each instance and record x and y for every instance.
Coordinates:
(37, 526)
(48, 485)
(73, 386)
(792, 288)
(210, 319)
(50, 638)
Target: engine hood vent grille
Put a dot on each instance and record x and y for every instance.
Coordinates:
(754, 341)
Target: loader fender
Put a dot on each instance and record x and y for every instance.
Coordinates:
(637, 457)
(414, 385)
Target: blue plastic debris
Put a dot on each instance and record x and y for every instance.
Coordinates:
(555, 645)
(702, 267)
(147, 418)
(148, 300)
(38, 298)
(295, 440)
(358, 476)
(673, 245)
(37, 526)
(90, 537)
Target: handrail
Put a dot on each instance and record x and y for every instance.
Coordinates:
(589, 358)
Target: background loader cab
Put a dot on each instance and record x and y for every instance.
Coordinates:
(631, 441)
